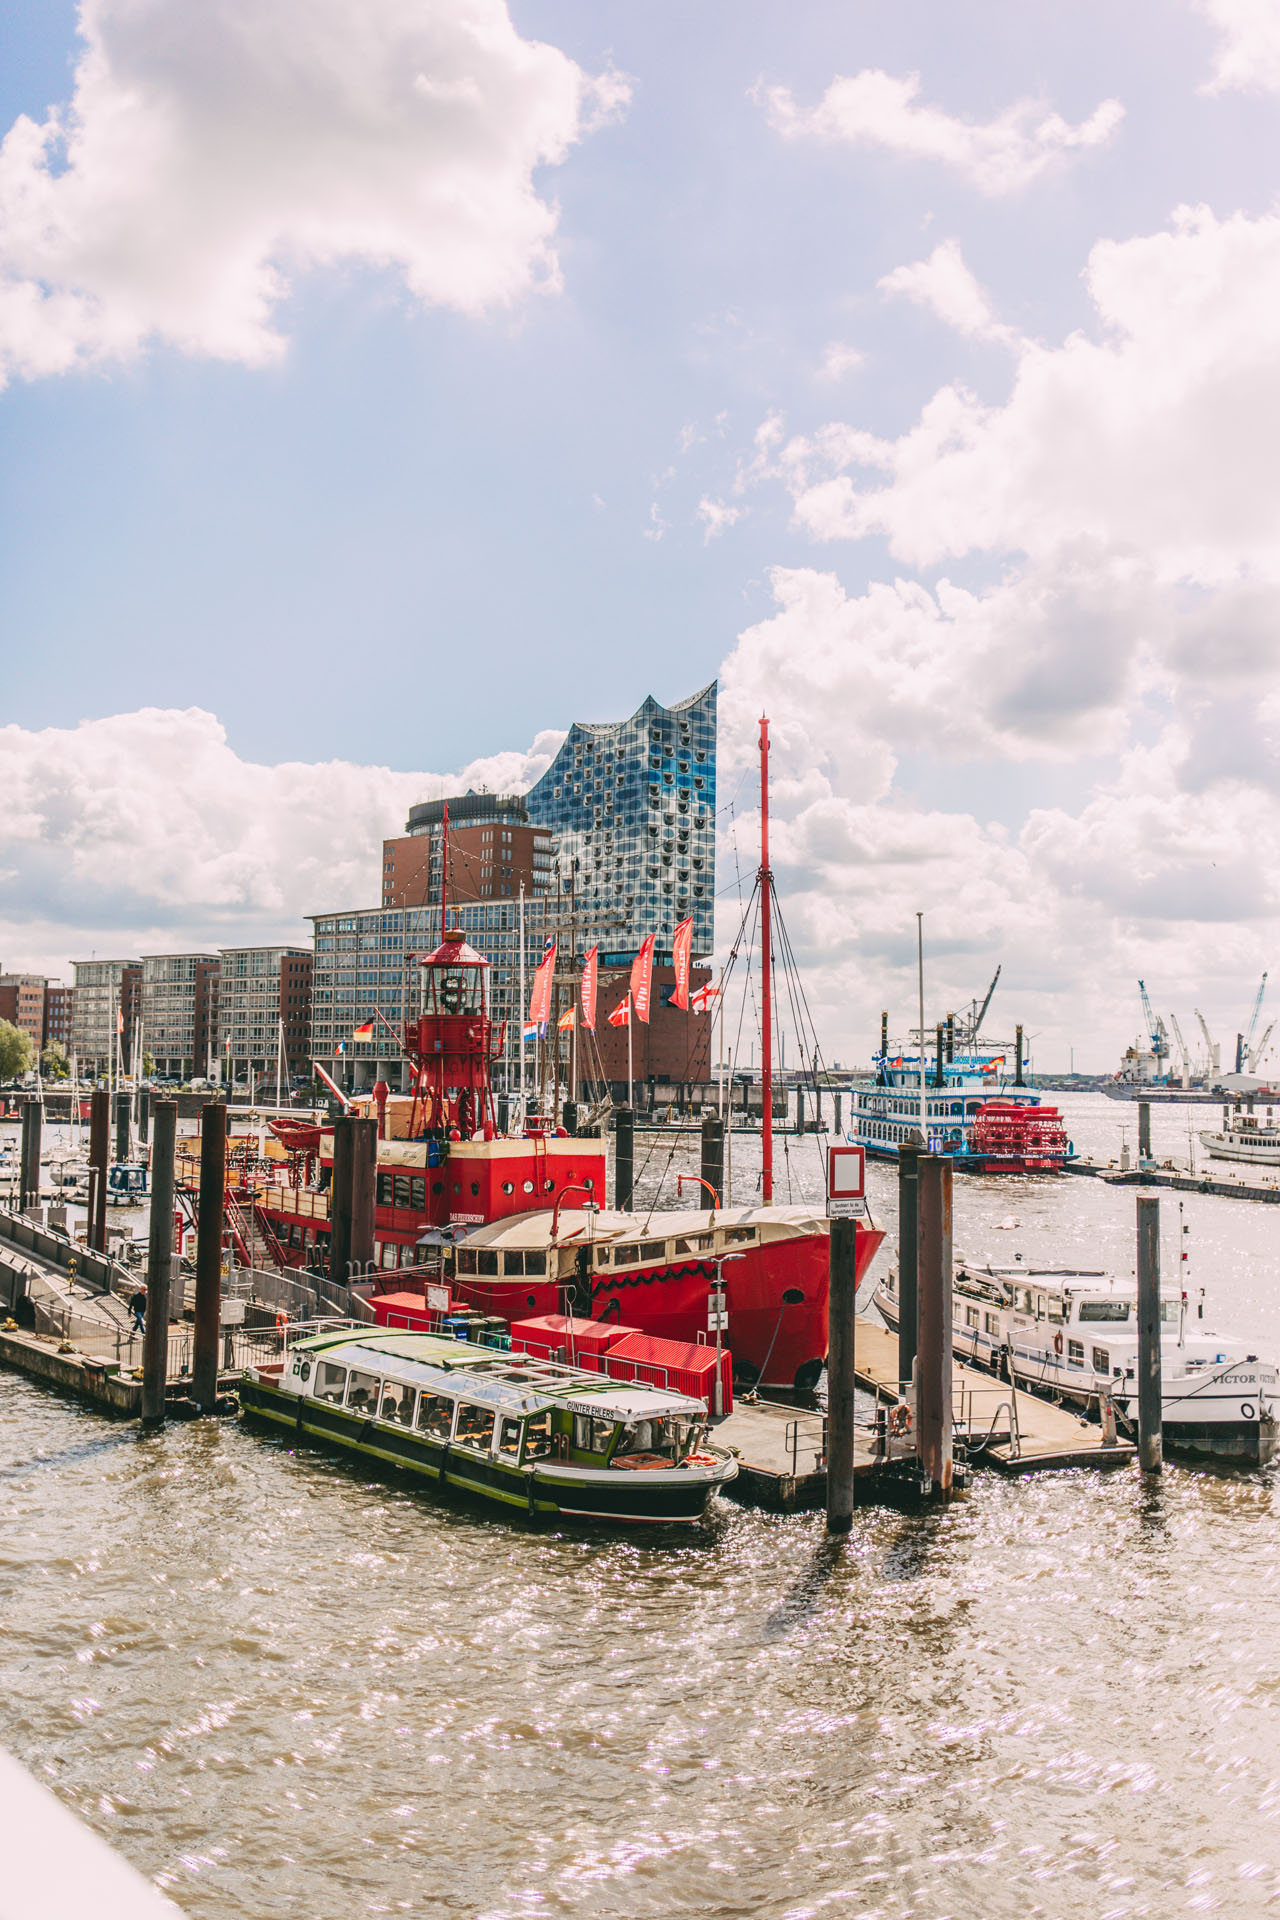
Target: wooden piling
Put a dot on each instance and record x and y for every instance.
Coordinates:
(712, 1168)
(144, 1112)
(364, 1194)
(908, 1243)
(122, 1127)
(1144, 1131)
(155, 1340)
(1150, 1383)
(840, 1371)
(99, 1160)
(933, 1361)
(29, 1155)
(209, 1221)
(624, 1158)
(340, 1203)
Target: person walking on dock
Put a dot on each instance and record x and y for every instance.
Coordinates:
(138, 1308)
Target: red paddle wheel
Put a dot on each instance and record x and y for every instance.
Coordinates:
(1015, 1138)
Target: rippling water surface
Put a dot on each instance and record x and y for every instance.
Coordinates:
(284, 1689)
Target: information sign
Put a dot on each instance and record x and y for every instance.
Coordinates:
(717, 1321)
(846, 1183)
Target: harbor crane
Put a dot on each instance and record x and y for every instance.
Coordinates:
(1244, 1041)
(977, 1014)
(1155, 1026)
(1213, 1059)
(1182, 1045)
(1256, 1056)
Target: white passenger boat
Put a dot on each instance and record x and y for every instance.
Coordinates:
(1074, 1335)
(1243, 1136)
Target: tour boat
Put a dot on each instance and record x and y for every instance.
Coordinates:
(982, 1125)
(532, 1434)
(1244, 1137)
(1074, 1335)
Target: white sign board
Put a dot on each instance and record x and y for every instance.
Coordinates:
(717, 1321)
(846, 1183)
(438, 1300)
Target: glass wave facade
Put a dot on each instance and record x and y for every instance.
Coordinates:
(633, 807)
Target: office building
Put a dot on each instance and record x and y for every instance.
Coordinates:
(258, 989)
(494, 850)
(22, 1004)
(103, 1007)
(179, 1011)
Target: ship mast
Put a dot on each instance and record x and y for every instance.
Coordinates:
(444, 872)
(766, 976)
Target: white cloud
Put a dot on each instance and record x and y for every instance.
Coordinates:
(1155, 438)
(878, 109)
(1248, 51)
(945, 285)
(146, 831)
(210, 154)
(716, 516)
(838, 358)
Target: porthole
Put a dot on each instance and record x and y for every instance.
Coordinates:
(508, 1186)
(792, 1297)
(590, 1185)
(457, 1186)
(531, 1299)
(548, 1186)
(437, 1186)
(475, 1188)
(528, 1186)
(305, 1370)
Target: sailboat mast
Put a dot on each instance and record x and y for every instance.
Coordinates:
(766, 976)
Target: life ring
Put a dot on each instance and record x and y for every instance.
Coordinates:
(900, 1420)
(1057, 1343)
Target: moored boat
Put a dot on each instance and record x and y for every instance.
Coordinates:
(1244, 1137)
(1074, 1335)
(531, 1434)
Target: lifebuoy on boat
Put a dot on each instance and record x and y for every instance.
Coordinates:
(1057, 1343)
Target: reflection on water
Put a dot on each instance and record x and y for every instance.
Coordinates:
(288, 1690)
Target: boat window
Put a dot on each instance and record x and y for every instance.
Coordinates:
(1075, 1353)
(1169, 1312)
(603, 1256)
(435, 1415)
(653, 1249)
(668, 1439)
(537, 1437)
(535, 1263)
(362, 1393)
(513, 1263)
(626, 1256)
(992, 1322)
(1117, 1310)
(1057, 1313)
(971, 1316)
(1101, 1360)
(331, 1382)
(592, 1436)
(402, 1190)
(466, 1262)
(397, 1404)
(474, 1426)
(509, 1438)
(1024, 1299)
(418, 1193)
(486, 1262)
(738, 1236)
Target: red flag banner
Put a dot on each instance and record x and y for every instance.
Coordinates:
(540, 998)
(642, 979)
(589, 990)
(681, 954)
(621, 1015)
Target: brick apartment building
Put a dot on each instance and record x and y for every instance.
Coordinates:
(179, 1012)
(494, 849)
(22, 998)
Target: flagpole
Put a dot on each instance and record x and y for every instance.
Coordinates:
(631, 1078)
(524, 1004)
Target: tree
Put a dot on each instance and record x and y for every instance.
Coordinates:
(54, 1062)
(148, 1065)
(16, 1051)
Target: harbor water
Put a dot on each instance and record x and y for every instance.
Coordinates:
(281, 1688)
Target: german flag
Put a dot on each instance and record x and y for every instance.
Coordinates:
(364, 1031)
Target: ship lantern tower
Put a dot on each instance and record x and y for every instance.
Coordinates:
(451, 1045)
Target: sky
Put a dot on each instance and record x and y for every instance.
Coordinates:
(385, 385)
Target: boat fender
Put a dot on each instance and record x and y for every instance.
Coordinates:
(702, 1459)
(900, 1420)
(444, 1461)
(1057, 1343)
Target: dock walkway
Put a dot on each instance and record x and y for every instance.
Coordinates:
(1221, 1180)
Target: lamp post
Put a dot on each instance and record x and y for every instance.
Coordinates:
(716, 1308)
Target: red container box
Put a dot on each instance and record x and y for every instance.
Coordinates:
(678, 1364)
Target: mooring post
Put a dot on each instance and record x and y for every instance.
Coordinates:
(155, 1340)
(837, 1099)
(122, 1127)
(144, 1112)
(908, 1241)
(624, 1158)
(1150, 1385)
(799, 1109)
(1144, 1132)
(209, 1217)
(99, 1160)
(933, 1362)
(713, 1154)
(29, 1155)
(840, 1411)
(364, 1190)
(1019, 1079)
(340, 1203)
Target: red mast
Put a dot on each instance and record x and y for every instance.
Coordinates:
(766, 975)
(444, 873)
